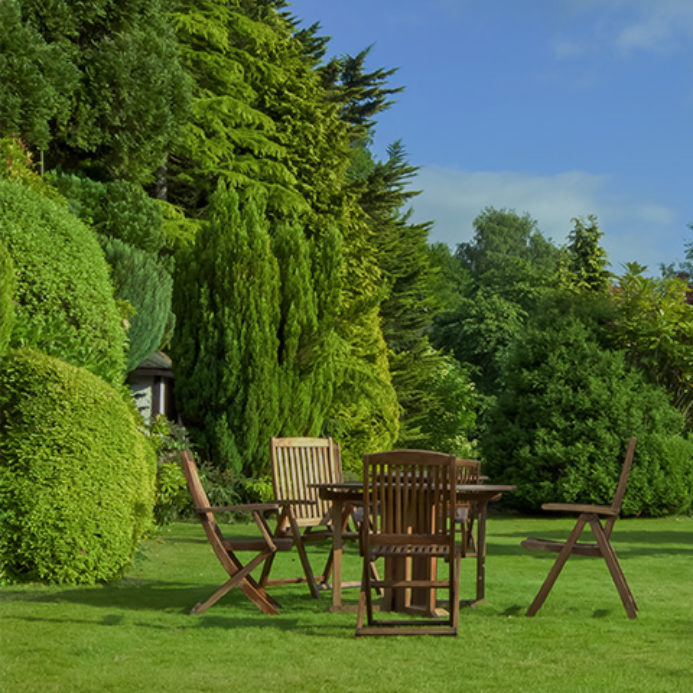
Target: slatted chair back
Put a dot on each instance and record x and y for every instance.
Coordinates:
(468, 471)
(621, 487)
(408, 496)
(299, 462)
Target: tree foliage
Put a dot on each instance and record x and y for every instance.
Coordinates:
(654, 324)
(504, 271)
(421, 375)
(226, 343)
(141, 280)
(130, 95)
(8, 284)
(584, 261)
(38, 80)
(266, 121)
(568, 406)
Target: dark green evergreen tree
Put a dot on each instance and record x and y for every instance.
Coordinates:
(421, 375)
(37, 80)
(226, 341)
(141, 280)
(132, 94)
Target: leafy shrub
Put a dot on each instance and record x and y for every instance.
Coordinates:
(7, 288)
(64, 298)
(172, 496)
(76, 474)
(559, 428)
(118, 209)
(140, 279)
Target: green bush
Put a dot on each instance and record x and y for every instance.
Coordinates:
(7, 288)
(64, 298)
(173, 499)
(118, 209)
(139, 278)
(76, 474)
(559, 428)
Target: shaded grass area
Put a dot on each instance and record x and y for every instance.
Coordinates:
(136, 634)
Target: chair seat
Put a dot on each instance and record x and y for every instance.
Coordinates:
(581, 549)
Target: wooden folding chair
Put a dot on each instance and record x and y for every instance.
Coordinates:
(225, 549)
(296, 464)
(588, 514)
(410, 500)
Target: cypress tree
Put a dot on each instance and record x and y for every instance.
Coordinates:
(264, 119)
(226, 345)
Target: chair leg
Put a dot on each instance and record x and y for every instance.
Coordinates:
(303, 556)
(557, 567)
(250, 588)
(327, 570)
(266, 570)
(363, 601)
(455, 591)
(614, 568)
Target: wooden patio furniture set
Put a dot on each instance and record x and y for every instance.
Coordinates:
(413, 508)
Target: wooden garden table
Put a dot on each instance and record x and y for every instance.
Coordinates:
(351, 492)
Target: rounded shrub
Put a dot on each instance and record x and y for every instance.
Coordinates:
(64, 298)
(559, 428)
(76, 473)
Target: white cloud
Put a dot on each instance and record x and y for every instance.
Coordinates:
(627, 26)
(635, 229)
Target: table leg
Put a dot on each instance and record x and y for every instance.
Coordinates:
(481, 549)
(337, 548)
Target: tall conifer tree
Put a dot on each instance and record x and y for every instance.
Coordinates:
(226, 345)
(264, 119)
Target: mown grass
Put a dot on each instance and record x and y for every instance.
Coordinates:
(136, 634)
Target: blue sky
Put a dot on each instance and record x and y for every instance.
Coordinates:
(558, 108)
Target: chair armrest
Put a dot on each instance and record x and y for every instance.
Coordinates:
(245, 508)
(295, 501)
(580, 508)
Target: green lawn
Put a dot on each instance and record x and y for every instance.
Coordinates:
(136, 634)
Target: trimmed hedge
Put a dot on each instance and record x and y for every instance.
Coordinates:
(7, 287)
(76, 474)
(65, 304)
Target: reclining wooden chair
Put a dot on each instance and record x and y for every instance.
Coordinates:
(225, 549)
(296, 464)
(588, 514)
(409, 500)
